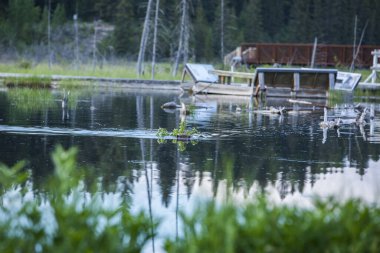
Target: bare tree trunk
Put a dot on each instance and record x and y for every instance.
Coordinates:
(144, 39)
(354, 45)
(94, 49)
(314, 52)
(222, 29)
(181, 36)
(49, 33)
(186, 39)
(352, 68)
(155, 38)
(76, 40)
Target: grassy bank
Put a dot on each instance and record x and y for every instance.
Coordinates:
(69, 216)
(28, 82)
(121, 70)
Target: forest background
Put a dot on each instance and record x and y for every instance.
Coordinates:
(111, 29)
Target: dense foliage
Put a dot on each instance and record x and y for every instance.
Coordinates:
(263, 227)
(24, 22)
(66, 217)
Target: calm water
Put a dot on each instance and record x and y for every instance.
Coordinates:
(241, 151)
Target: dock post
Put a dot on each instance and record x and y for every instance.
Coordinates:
(296, 85)
(331, 81)
(262, 81)
(375, 66)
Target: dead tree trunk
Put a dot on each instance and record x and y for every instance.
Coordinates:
(222, 29)
(155, 38)
(49, 34)
(181, 36)
(144, 39)
(75, 17)
(352, 67)
(94, 49)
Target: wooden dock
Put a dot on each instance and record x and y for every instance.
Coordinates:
(272, 82)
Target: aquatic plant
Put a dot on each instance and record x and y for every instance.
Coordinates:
(182, 131)
(181, 135)
(65, 217)
(337, 97)
(30, 100)
(365, 95)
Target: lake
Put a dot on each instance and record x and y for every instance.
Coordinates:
(241, 149)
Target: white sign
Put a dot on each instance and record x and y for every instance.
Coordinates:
(347, 81)
(201, 72)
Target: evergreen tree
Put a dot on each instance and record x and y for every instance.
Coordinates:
(251, 22)
(202, 37)
(59, 16)
(233, 35)
(105, 9)
(23, 18)
(299, 29)
(126, 30)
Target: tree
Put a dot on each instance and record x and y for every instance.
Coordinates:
(125, 32)
(59, 16)
(23, 17)
(155, 37)
(144, 39)
(183, 42)
(202, 36)
(251, 22)
(298, 29)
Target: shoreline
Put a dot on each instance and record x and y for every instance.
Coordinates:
(105, 81)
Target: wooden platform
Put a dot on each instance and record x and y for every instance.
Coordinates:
(223, 89)
(276, 82)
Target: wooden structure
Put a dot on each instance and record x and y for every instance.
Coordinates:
(370, 82)
(295, 82)
(228, 77)
(205, 79)
(274, 82)
(301, 54)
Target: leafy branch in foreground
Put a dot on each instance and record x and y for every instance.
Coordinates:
(65, 217)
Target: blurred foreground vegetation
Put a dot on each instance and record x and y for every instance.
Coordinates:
(69, 216)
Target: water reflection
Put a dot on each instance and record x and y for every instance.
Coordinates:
(242, 149)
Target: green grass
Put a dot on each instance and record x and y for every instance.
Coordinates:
(127, 70)
(28, 82)
(28, 100)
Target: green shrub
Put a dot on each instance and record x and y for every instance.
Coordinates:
(329, 226)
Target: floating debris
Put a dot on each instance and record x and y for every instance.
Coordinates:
(280, 110)
(170, 105)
